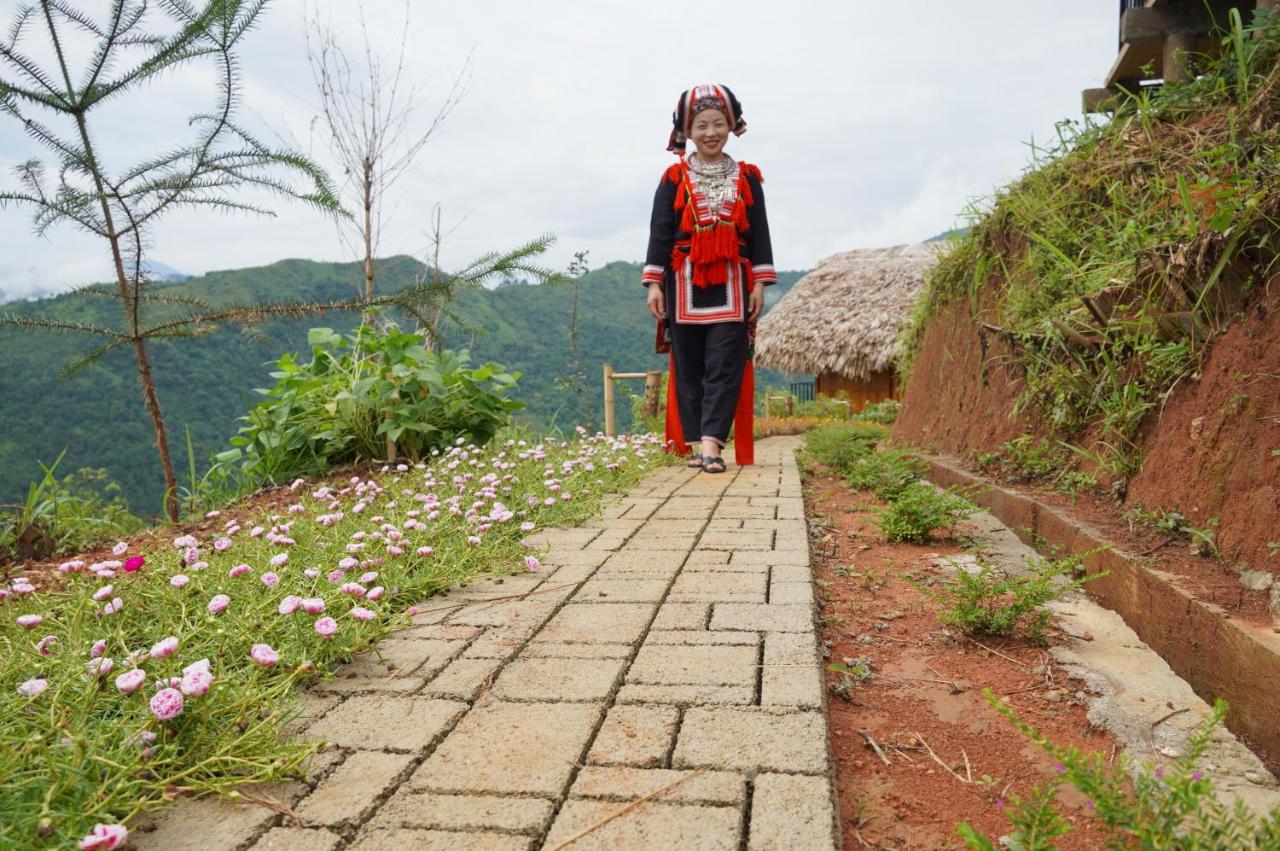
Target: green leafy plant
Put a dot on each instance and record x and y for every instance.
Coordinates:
(1149, 808)
(884, 412)
(852, 673)
(838, 447)
(64, 516)
(919, 510)
(990, 602)
(365, 396)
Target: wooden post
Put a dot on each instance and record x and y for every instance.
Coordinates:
(652, 390)
(610, 425)
(791, 406)
(1178, 47)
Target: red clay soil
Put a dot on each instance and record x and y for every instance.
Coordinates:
(1210, 453)
(871, 610)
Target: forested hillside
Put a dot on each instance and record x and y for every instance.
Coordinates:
(206, 383)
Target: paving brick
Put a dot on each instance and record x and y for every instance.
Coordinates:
(674, 526)
(687, 695)
(297, 839)
(462, 679)
(792, 813)
(769, 557)
(441, 631)
(699, 558)
(529, 612)
(718, 587)
(792, 675)
(212, 823)
(791, 592)
(580, 558)
(635, 735)
(489, 587)
(311, 705)
(746, 512)
(684, 664)
(347, 795)
(499, 643)
(510, 749)
(741, 539)
(439, 840)
(627, 784)
(560, 650)
(782, 617)
(682, 616)
(642, 542)
(387, 722)
(748, 739)
(558, 679)
(396, 665)
(619, 623)
(569, 573)
(792, 573)
(621, 591)
(692, 636)
(652, 825)
(411, 809)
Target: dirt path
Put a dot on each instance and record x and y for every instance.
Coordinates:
(655, 685)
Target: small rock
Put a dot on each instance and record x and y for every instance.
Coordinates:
(893, 615)
(1053, 695)
(1254, 777)
(880, 626)
(1171, 752)
(865, 639)
(1256, 580)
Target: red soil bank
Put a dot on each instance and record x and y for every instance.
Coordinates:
(1211, 452)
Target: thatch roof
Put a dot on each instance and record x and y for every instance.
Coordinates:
(844, 316)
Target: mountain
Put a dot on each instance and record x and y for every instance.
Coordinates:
(204, 384)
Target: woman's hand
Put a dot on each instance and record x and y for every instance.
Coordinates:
(755, 303)
(657, 302)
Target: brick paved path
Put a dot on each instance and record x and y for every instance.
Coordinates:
(671, 641)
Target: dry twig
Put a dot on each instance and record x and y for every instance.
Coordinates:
(872, 742)
(628, 808)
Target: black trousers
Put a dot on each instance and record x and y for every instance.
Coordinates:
(709, 361)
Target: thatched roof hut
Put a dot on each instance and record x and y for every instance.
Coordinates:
(843, 318)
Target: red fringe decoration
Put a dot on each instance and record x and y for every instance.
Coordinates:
(674, 434)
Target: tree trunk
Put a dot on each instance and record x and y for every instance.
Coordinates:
(367, 186)
(129, 304)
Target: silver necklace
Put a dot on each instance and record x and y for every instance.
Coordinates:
(712, 179)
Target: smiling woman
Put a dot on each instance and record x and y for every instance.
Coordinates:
(708, 262)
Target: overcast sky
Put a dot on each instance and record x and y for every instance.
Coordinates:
(874, 123)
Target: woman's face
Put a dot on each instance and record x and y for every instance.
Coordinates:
(709, 132)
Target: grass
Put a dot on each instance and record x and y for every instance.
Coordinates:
(82, 752)
(1166, 216)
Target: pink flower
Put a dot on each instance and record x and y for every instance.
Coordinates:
(120, 548)
(196, 679)
(103, 593)
(222, 544)
(133, 563)
(29, 621)
(114, 606)
(219, 604)
(179, 580)
(33, 687)
(279, 559)
(348, 562)
(100, 667)
(164, 647)
(270, 579)
(166, 704)
(311, 572)
(354, 589)
(264, 655)
(362, 614)
(99, 647)
(425, 551)
(473, 540)
(335, 576)
(130, 681)
(191, 556)
(313, 605)
(366, 578)
(289, 605)
(104, 837)
(326, 626)
(532, 563)
(44, 645)
(526, 526)
(239, 570)
(375, 593)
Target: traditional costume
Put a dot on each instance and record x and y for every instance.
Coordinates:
(708, 246)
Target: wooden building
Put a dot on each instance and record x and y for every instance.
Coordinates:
(1161, 39)
(840, 322)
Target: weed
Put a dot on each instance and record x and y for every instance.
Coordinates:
(838, 447)
(919, 510)
(885, 412)
(1142, 807)
(1201, 542)
(885, 473)
(853, 673)
(989, 602)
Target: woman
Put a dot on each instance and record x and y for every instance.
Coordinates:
(708, 263)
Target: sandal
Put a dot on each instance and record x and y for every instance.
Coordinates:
(695, 460)
(714, 464)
